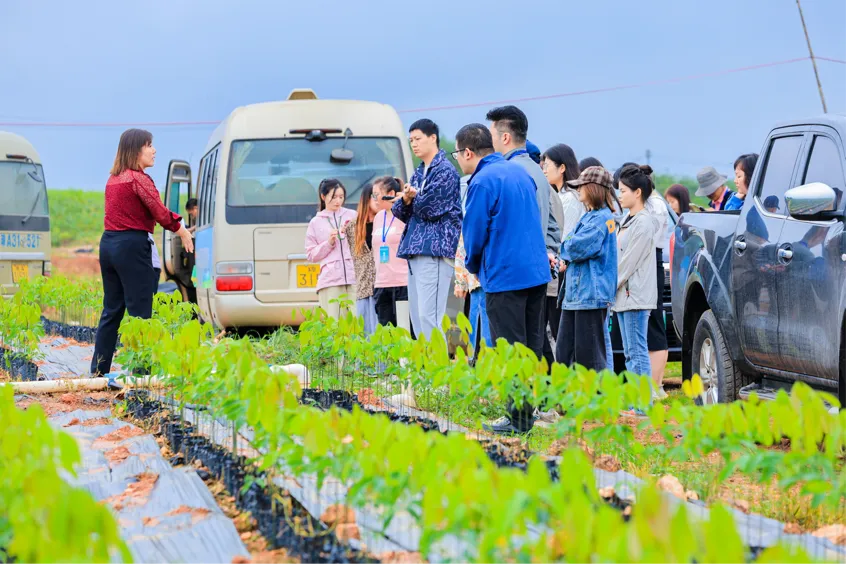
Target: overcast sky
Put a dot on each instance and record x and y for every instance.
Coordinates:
(192, 60)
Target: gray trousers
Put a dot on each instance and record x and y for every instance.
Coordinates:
(429, 285)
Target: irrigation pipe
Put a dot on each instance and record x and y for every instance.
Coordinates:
(79, 384)
(97, 384)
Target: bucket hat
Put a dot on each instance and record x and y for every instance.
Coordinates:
(709, 180)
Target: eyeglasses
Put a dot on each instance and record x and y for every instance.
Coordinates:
(456, 153)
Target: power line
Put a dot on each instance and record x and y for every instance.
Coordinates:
(813, 61)
(159, 124)
(610, 88)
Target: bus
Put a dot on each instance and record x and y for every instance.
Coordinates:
(24, 214)
(256, 187)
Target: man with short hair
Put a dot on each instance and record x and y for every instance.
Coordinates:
(509, 128)
(505, 248)
(193, 212)
(430, 207)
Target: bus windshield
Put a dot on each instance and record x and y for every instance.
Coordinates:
(22, 190)
(285, 173)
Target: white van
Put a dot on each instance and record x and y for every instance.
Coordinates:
(257, 190)
(25, 244)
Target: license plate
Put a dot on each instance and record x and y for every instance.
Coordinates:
(19, 272)
(307, 275)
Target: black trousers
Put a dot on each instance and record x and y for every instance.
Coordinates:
(157, 275)
(127, 270)
(385, 301)
(518, 317)
(656, 330)
(581, 338)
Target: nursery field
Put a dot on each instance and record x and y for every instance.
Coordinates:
(326, 446)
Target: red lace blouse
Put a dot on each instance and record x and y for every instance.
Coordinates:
(134, 203)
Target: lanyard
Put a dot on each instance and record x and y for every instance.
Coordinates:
(385, 221)
(337, 225)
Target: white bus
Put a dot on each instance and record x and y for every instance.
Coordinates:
(257, 190)
(24, 215)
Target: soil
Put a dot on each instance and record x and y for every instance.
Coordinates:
(117, 455)
(137, 493)
(246, 525)
(54, 405)
(67, 344)
(125, 432)
(197, 513)
(70, 264)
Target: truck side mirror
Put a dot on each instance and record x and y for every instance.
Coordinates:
(810, 200)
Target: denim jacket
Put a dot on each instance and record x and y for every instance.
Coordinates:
(433, 220)
(591, 253)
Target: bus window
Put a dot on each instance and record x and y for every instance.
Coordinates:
(276, 180)
(22, 190)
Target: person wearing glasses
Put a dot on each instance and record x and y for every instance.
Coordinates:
(391, 270)
(430, 208)
(505, 248)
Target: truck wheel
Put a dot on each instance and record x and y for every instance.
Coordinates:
(712, 361)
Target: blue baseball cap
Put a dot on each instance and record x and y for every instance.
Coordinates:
(533, 151)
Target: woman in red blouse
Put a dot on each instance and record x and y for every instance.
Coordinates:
(133, 207)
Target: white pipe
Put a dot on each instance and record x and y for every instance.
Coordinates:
(71, 385)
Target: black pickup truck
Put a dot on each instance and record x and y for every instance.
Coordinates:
(758, 295)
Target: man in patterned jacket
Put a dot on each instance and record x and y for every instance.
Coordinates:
(430, 207)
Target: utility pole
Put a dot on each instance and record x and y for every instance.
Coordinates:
(649, 157)
(813, 60)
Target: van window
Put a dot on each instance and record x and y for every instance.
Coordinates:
(276, 180)
(22, 189)
(208, 183)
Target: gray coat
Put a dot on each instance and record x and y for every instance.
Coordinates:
(557, 211)
(551, 230)
(637, 287)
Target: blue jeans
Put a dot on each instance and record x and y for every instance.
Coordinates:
(479, 315)
(633, 331)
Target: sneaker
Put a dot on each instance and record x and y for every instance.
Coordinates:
(636, 413)
(550, 416)
(112, 383)
(660, 394)
(502, 426)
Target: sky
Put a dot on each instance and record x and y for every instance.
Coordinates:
(192, 60)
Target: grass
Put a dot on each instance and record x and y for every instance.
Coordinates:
(76, 217)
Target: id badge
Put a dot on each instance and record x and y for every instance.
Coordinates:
(384, 254)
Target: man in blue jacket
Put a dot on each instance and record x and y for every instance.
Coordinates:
(430, 207)
(505, 248)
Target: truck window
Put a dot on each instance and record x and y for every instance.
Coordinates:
(825, 165)
(778, 173)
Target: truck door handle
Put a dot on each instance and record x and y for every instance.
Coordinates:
(740, 245)
(785, 254)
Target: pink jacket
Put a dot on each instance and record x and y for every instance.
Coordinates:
(394, 273)
(336, 263)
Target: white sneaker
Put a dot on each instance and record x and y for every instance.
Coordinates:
(659, 394)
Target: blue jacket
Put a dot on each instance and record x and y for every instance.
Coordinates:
(502, 229)
(591, 250)
(433, 220)
(734, 203)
